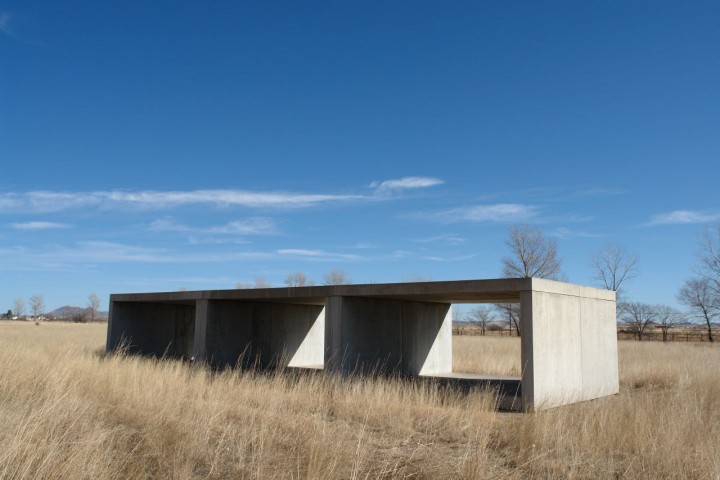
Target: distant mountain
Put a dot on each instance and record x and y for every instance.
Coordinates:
(69, 311)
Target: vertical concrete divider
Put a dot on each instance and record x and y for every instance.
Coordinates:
(201, 326)
(333, 353)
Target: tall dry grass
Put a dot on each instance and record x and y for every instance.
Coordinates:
(67, 411)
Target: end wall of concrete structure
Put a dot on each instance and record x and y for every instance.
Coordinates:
(158, 329)
(568, 344)
(381, 335)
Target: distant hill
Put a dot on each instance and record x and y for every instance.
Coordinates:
(68, 311)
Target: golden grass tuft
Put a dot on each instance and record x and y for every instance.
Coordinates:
(69, 411)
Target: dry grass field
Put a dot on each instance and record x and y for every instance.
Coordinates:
(67, 411)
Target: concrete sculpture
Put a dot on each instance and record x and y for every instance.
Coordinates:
(568, 343)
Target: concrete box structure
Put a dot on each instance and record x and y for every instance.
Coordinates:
(568, 344)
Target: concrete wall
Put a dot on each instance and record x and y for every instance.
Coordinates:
(569, 345)
(152, 328)
(266, 334)
(370, 334)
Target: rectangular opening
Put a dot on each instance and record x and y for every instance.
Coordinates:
(157, 329)
(486, 350)
(486, 340)
(246, 333)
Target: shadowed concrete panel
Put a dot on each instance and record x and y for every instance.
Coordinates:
(264, 333)
(370, 334)
(152, 328)
(231, 334)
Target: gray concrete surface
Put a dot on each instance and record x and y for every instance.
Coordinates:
(568, 345)
(385, 335)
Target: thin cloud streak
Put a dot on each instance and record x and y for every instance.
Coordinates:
(404, 183)
(48, 201)
(316, 254)
(5, 23)
(682, 217)
(97, 252)
(38, 225)
(250, 226)
(501, 212)
(44, 201)
(457, 258)
(448, 238)
(567, 233)
(100, 252)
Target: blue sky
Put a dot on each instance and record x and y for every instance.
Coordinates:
(198, 145)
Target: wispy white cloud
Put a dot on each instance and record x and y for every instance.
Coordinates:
(599, 192)
(214, 240)
(111, 252)
(98, 252)
(448, 238)
(249, 226)
(404, 183)
(38, 225)
(501, 212)
(41, 201)
(566, 233)
(677, 217)
(456, 258)
(364, 246)
(49, 201)
(5, 23)
(317, 254)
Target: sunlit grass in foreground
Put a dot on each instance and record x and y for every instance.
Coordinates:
(67, 411)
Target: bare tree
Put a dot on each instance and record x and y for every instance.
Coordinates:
(37, 305)
(298, 279)
(93, 306)
(481, 316)
(667, 317)
(261, 282)
(638, 316)
(19, 309)
(336, 277)
(511, 313)
(700, 296)
(532, 255)
(614, 266)
(709, 256)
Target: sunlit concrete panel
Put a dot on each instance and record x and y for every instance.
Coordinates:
(599, 348)
(569, 348)
(157, 329)
(380, 335)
